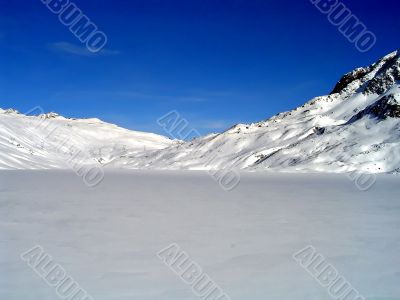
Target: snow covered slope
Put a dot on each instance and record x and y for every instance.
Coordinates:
(356, 127)
(52, 141)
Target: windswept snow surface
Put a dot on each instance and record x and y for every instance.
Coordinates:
(107, 238)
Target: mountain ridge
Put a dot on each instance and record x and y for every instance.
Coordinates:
(48, 141)
(354, 128)
(317, 136)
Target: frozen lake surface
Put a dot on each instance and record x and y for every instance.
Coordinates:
(107, 238)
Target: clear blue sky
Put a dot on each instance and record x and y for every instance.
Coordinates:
(216, 62)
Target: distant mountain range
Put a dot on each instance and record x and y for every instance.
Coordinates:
(51, 141)
(355, 128)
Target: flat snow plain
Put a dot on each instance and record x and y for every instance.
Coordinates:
(107, 237)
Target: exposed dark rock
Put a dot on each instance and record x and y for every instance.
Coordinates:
(319, 130)
(380, 85)
(388, 75)
(349, 78)
(386, 107)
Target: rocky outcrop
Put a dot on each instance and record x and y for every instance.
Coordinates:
(386, 107)
(349, 78)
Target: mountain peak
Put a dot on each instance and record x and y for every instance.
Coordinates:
(355, 128)
(383, 73)
(9, 111)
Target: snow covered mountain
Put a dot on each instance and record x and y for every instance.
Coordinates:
(52, 141)
(356, 127)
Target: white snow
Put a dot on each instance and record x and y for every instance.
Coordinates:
(49, 141)
(320, 136)
(107, 238)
